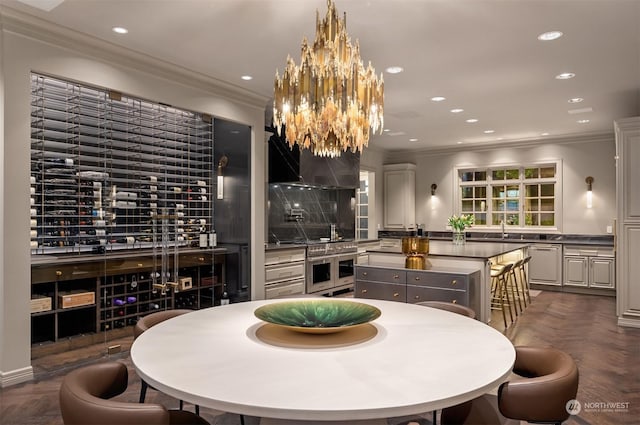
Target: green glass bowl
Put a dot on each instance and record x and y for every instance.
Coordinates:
(318, 315)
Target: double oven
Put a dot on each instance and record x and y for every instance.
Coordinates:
(330, 266)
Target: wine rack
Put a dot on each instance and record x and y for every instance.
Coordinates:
(107, 168)
(123, 288)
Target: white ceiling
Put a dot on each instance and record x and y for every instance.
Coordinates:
(482, 55)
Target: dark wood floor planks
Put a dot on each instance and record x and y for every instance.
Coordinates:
(608, 358)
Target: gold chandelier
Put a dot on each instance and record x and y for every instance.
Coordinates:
(330, 101)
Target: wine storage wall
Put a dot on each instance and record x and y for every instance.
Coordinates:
(106, 169)
(115, 183)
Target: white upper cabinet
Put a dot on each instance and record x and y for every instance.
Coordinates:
(400, 196)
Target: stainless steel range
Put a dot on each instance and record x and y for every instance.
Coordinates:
(330, 266)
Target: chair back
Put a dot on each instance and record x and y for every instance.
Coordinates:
(551, 380)
(454, 308)
(85, 393)
(154, 318)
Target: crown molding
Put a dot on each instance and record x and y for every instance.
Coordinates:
(598, 137)
(14, 21)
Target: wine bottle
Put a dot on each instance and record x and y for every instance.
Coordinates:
(224, 300)
(202, 241)
(118, 301)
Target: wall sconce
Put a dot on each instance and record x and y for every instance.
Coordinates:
(433, 189)
(589, 181)
(224, 160)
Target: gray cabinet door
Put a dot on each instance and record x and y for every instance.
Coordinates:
(381, 291)
(545, 267)
(602, 272)
(437, 280)
(416, 294)
(575, 271)
(374, 274)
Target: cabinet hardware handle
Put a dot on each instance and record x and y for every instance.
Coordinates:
(364, 273)
(395, 276)
(454, 302)
(364, 291)
(140, 264)
(454, 282)
(417, 278)
(58, 273)
(417, 297)
(200, 258)
(395, 294)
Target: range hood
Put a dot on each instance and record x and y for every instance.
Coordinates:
(297, 166)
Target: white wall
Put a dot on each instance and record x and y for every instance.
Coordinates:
(86, 63)
(580, 158)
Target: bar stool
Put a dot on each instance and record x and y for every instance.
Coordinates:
(513, 286)
(524, 280)
(499, 293)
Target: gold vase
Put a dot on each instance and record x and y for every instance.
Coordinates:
(416, 249)
(415, 245)
(415, 262)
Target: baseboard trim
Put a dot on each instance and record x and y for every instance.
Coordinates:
(16, 376)
(630, 323)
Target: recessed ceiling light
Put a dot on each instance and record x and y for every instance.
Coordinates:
(583, 121)
(438, 98)
(550, 35)
(413, 140)
(386, 130)
(472, 120)
(247, 77)
(457, 110)
(459, 142)
(120, 30)
(395, 69)
(489, 131)
(575, 100)
(500, 138)
(565, 76)
(544, 134)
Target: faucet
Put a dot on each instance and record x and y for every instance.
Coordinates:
(276, 239)
(503, 235)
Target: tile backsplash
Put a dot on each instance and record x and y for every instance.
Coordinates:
(306, 213)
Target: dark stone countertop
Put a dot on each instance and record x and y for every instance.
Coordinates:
(475, 250)
(513, 237)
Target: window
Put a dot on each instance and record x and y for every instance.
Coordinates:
(362, 207)
(518, 196)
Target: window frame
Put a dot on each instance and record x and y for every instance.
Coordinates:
(488, 183)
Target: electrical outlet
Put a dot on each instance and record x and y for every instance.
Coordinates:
(609, 229)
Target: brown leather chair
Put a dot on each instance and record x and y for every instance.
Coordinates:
(454, 308)
(154, 318)
(147, 322)
(85, 396)
(550, 380)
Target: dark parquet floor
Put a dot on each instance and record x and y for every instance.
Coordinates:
(608, 358)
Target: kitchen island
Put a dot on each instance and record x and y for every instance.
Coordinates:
(445, 257)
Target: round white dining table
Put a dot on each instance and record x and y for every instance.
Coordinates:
(419, 359)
